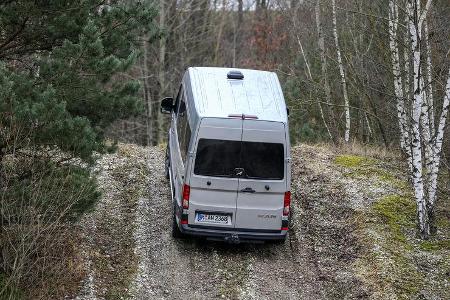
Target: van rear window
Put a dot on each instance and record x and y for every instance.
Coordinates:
(217, 157)
(263, 160)
(220, 158)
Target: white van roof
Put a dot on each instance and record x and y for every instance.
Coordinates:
(258, 94)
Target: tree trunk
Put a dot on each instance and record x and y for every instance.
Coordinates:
(219, 34)
(161, 72)
(437, 151)
(240, 13)
(309, 75)
(398, 86)
(342, 73)
(323, 62)
(416, 143)
(429, 83)
(147, 97)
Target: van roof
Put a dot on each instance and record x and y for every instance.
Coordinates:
(258, 94)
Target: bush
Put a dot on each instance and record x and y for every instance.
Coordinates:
(36, 213)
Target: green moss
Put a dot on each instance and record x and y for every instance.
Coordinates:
(368, 167)
(393, 215)
(351, 161)
(435, 245)
(398, 211)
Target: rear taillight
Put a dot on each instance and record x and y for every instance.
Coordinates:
(186, 194)
(287, 203)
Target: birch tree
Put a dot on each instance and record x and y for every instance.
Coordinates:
(420, 139)
(342, 74)
(396, 70)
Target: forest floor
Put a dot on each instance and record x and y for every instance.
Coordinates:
(351, 237)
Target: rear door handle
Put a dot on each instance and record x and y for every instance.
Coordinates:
(248, 190)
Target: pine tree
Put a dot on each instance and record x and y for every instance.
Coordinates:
(62, 83)
(58, 71)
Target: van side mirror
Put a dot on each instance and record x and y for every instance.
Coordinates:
(167, 105)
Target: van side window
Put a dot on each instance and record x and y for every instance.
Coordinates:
(183, 128)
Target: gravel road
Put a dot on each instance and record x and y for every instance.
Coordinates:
(140, 260)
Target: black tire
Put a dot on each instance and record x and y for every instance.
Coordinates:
(176, 233)
(167, 163)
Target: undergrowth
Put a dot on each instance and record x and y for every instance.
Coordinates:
(387, 228)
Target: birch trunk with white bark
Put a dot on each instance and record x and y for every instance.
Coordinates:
(423, 133)
(419, 132)
(396, 70)
(420, 123)
(429, 83)
(342, 74)
(406, 58)
(437, 151)
(414, 27)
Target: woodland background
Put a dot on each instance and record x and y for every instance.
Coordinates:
(282, 36)
(77, 77)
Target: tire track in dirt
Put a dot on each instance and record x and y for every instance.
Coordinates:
(305, 267)
(326, 225)
(314, 262)
(169, 268)
(108, 245)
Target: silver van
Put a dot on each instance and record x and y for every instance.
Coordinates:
(228, 155)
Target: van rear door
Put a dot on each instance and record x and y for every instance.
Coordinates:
(213, 182)
(261, 190)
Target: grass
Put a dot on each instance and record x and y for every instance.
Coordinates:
(388, 264)
(364, 167)
(114, 259)
(397, 214)
(8, 291)
(385, 229)
(435, 245)
(351, 161)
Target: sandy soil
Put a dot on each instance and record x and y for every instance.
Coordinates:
(130, 253)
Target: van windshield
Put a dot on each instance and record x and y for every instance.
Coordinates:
(220, 158)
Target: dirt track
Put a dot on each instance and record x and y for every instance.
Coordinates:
(142, 261)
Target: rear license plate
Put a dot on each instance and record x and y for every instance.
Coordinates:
(213, 219)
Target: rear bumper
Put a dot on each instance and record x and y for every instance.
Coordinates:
(234, 236)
